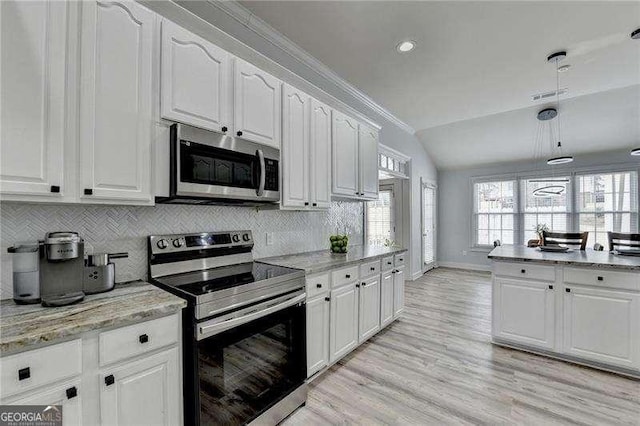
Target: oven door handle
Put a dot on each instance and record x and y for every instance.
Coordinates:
(263, 173)
(216, 326)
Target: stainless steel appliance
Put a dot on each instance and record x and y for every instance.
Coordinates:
(100, 272)
(244, 334)
(26, 273)
(210, 168)
(61, 268)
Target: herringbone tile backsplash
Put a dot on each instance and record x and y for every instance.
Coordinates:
(125, 228)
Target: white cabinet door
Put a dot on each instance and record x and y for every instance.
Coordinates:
(320, 144)
(368, 157)
(602, 325)
(256, 104)
(523, 311)
(317, 334)
(195, 82)
(144, 392)
(344, 321)
(369, 309)
(398, 291)
(345, 155)
(295, 148)
(115, 101)
(68, 395)
(386, 298)
(32, 105)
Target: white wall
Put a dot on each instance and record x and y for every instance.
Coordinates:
(455, 202)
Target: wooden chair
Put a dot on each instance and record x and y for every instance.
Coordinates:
(621, 239)
(565, 238)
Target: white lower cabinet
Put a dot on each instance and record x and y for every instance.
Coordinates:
(524, 311)
(386, 298)
(602, 325)
(142, 392)
(67, 395)
(344, 321)
(369, 309)
(398, 291)
(317, 334)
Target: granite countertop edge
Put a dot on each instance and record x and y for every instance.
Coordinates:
(26, 327)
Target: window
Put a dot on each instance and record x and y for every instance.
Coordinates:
(494, 210)
(380, 227)
(550, 211)
(607, 202)
(391, 163)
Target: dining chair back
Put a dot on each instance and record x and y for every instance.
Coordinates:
(565, 238)
(622, 239)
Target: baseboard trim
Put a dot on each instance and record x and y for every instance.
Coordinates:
(416, 275)
(469, 266)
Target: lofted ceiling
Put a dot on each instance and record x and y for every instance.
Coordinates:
(476, 62)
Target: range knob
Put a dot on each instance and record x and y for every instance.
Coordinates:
(245, 237)
(236, 238)
(177, 243)
(162, 244)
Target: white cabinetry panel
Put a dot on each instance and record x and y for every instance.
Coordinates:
(369, 321)
(345, 155)
(320, 144)
(344, 321)
(386, 298)
(295, 148)
(368, 158)
(317, 334)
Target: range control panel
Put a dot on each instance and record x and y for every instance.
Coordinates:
(199, 241)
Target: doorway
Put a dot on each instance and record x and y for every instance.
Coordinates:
(380, 217)
(428, 204)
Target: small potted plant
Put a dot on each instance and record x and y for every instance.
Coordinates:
(540, 228)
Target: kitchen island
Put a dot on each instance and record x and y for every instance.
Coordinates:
(580, 306)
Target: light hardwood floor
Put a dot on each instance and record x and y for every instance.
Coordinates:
(436, 365)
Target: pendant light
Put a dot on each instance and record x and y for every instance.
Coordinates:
(560, 158)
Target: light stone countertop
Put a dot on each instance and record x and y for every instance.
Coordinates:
(587, 258)
(24, 326)
(320, 261)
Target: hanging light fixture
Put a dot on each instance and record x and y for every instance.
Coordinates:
(551, 186)
(635, 152)
(560, 158)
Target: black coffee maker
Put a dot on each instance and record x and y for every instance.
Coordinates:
(61, 268)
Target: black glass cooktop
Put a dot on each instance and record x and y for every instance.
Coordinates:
(201, 282)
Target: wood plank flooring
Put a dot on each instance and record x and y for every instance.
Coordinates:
(436, 365)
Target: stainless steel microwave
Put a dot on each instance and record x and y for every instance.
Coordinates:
(206, 167)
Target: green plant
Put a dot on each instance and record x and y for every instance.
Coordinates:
(541, 227)
(339, 243)
(390, 243)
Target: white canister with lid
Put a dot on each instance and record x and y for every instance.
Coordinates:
(26, 272)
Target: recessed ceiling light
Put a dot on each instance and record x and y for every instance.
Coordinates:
(406, 46)
(564, 68)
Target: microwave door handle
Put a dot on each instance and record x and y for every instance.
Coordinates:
(263, 172)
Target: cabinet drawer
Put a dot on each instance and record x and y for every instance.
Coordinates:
(370, 268)
(133, 340)
(400, 259)
(317, 284)
(343, 276)
(602, 278)
(387, 263)
(525, 270)
(28, 370)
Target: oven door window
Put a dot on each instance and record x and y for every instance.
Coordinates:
(245, 370)
(215, 166)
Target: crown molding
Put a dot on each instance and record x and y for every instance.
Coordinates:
(241, 14)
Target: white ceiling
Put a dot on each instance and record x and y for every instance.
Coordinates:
(473, 60)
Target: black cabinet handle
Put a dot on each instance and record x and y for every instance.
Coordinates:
(327, 299)
(550, 287)
(523, 271)
(373, 268)
(364, 284)
(143, 338)
(306, 203)
(319, 285)
(224, 128)
(600, 278)
(88, 191)
(358, 285)
(401, 259)
(393, 272)
(239, 133)
(315, 204)
(109, 380)
(72, 392)
(568, 290)
(24, 373)
(388, 263)
(55, 188)
(347, 276)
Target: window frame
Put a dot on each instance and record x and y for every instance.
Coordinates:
(573, 219)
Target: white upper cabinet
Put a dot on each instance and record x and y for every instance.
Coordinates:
(368, 157)
(195, 82)
(32, 105)
(295, 147)
(320, 143)
(257, 106)
(115, 101)
(345, 155)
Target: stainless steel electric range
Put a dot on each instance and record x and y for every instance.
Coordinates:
(244, 332)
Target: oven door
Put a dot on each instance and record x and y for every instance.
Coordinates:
(249, 361)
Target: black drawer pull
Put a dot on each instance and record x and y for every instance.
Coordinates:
(358, 285)
(55, 188)
(550, 287)
(401, 259)
(327, 299)
(72, 392)
(143, 338)
(88, 191)
(523, 271)
(319, 285)
(24, 373)
(109, 380)
(306, 203)
(239, 133)
(224, 128)
(364, 284)
(388, 263)
(315, 204)
(568, 290)
(600, 278)
(373, 268)
(347, 276)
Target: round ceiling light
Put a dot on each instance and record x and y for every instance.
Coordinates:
(406, 46)
(564, 68)
(635, 152)
(560, 160)
(636, 34)
(549, 191)
(547, 114)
